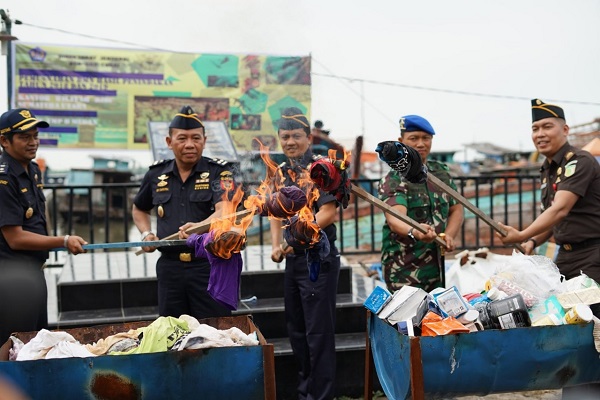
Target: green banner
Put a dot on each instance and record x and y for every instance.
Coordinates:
(106, 98)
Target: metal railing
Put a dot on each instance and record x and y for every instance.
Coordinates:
(102, 213)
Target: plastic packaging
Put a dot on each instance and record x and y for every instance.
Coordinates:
(511, 288)
(451, 302)
(510, 312)
(484, 315)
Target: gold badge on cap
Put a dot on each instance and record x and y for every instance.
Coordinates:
(538, 102)
(402, 126)
(29, 213)
(161, 211)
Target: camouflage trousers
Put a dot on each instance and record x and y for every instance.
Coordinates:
(406, 267)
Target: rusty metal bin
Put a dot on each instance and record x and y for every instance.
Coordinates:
(246, 372)
(480, 363)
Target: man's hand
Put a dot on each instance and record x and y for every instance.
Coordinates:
(149, 238)
(512, 235)
(74, 244)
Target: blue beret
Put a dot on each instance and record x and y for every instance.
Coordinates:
(412, 123)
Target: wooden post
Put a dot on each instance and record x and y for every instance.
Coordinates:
(416, 369)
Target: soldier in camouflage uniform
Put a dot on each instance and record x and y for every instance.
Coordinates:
(409, 257)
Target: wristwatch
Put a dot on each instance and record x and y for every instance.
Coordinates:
(411, 235)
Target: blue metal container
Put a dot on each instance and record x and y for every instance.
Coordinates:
(218, 373)
(480, 363)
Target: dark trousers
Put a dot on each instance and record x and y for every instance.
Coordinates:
(310, 318)
(23, 297)
(182, 289)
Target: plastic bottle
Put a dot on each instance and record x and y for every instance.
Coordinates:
(496, 294)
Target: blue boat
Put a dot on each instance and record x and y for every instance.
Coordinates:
(480, 363)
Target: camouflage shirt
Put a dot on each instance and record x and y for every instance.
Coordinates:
(403, 261)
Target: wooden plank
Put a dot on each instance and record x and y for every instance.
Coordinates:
(470, 206)
(201, 228)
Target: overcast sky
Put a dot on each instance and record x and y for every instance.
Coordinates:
(508, 51)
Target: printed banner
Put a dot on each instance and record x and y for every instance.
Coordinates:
(106, 98)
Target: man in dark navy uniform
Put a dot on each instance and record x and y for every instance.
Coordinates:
(309, 306)
(182, 191)
(24, 240)
(570, 185)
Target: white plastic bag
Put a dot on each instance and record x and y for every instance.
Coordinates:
(472, 269)
(534, 277)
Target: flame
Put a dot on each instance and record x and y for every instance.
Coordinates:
(340, 163)
(273, 181)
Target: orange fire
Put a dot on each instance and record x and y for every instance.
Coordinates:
(273, 181)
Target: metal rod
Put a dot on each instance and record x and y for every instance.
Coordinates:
(363, 194)
(462, 200)
(125, 245)
(202, 228)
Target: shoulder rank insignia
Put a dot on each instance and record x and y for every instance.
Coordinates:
(219, 161)
(568, 155)
(158, 162)
(4, 168)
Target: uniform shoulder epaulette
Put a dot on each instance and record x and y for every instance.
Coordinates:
(3, 168)
(316, 157)
(282, 165)
(218, 161)
(158, 162)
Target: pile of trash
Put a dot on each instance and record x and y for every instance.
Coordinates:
(163, 334)
(489, 291)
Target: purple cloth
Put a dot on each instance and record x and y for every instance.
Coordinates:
(224, 280)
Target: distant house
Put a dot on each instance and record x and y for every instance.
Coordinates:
(482, 158)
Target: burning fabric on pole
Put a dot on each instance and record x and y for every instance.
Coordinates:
(225, 272)
(331, 176)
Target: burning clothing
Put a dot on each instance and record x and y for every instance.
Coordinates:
(404, 261)
(225, 274)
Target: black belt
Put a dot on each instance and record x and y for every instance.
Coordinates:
(183, 257)
(580, 245)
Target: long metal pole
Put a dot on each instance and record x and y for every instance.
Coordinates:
(126, 245)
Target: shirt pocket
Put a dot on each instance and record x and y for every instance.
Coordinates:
(161, 198)
(201, 198)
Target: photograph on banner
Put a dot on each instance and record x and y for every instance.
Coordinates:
(105, 98)
(149, 109)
